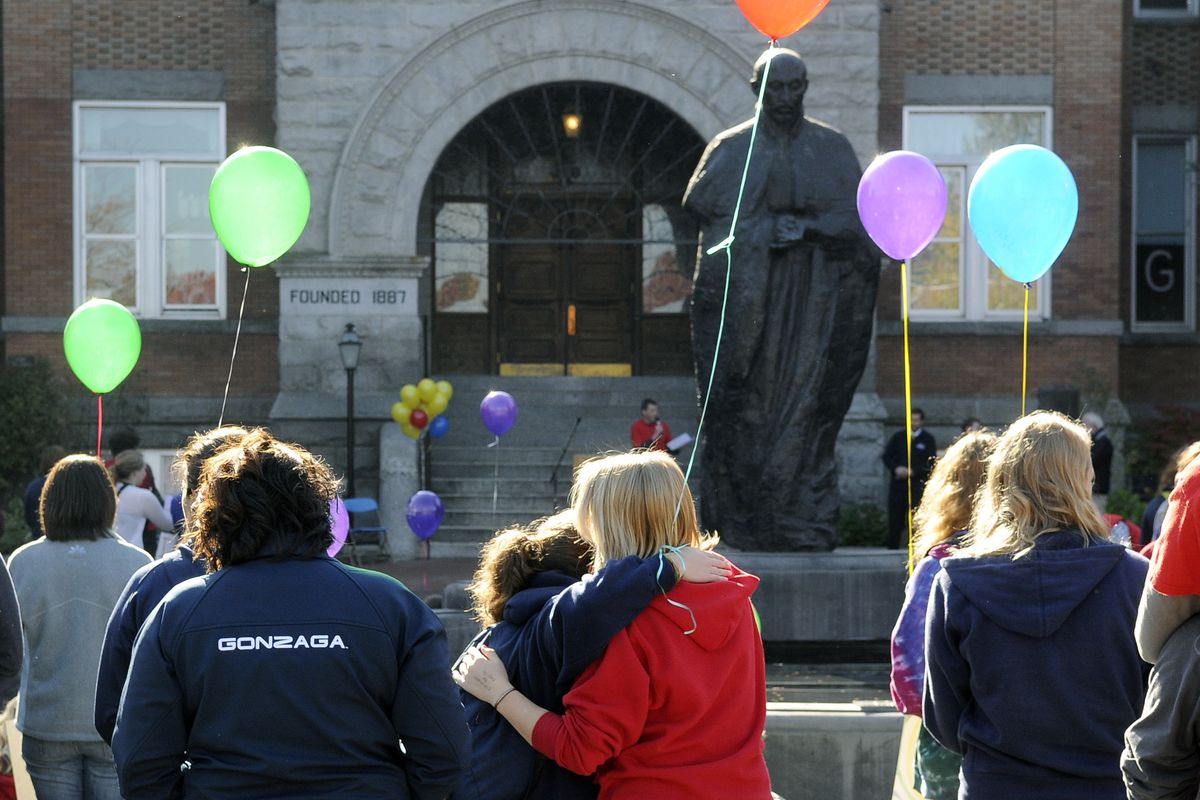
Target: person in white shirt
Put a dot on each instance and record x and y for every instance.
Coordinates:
(135, 505)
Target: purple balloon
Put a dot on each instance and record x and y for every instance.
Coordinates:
(902, 202)
(339, 523)
(424, 513)
(499, 412)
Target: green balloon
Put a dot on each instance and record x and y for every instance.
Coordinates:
(258, 202)
(102, 342)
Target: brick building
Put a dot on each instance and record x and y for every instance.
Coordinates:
(426, 127)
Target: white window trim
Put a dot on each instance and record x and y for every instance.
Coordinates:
(1192, 10)
(1189, 240)
(151, 304)
(973, 277)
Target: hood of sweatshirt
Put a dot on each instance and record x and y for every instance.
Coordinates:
(528, 602)
(1035, 594)
(718, 607)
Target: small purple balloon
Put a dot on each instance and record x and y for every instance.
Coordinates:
(499, 412)
(339, 523)
(902, 202)
(424, 513)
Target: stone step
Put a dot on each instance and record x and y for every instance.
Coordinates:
(457, 503)
(478, 487)
(485, 520)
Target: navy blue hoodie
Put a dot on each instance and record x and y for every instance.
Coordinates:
(551, 633)
(145, 589)
(301, 678)
(1032, 672)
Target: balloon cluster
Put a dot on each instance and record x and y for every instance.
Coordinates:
(421, 407)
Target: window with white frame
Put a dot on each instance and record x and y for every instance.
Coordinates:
(953, 279)
(1165, 9)
(1163, 274)
(142, 232)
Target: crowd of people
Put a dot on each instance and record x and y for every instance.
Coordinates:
(1043, 658)
(619, 655)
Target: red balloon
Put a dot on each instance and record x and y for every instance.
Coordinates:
(780, 18)
(419, 419)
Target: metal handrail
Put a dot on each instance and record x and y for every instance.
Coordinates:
(554, 475)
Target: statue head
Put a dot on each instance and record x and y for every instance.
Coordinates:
(783, 102)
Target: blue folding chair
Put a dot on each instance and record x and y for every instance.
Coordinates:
(366, 535)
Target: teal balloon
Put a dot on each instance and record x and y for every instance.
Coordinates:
(1022, 205)
(258, 202)
(102, 341)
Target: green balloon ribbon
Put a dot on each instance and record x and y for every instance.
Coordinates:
(102, 342)
(258, 202)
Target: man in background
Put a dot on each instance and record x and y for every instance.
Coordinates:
(648, 432)
(1102, 456)
(895, 458)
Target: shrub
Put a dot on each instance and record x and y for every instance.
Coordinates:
(1126, 504)
(32, 415)
(15, 532)
(862, 525)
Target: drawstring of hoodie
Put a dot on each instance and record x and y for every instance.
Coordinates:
(662, 559)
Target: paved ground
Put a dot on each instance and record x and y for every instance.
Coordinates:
(426, 577)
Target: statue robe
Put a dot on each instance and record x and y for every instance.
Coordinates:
(797, 330)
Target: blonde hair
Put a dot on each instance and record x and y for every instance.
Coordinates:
(125, 463)
(627, 506)
(511, 559)
(949, 496)
(1037, 482)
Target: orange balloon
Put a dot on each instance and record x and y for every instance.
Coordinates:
(780, 18)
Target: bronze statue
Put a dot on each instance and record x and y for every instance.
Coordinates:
(798, 324)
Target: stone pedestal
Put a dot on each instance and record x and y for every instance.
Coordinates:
(398, 480)
(859, 446)
(851, 594)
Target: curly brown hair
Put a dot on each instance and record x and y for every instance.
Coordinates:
(512, 558)
(189, 462)
(261, 496)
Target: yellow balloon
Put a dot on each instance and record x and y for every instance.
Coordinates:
(445, 388)
(410, 396)
(401, 413)
(438, 405)
(410, 431)
(427, 388)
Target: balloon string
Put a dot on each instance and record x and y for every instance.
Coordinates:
(907, 404)
(725, 244)
(99, 426)
(496, 479)
(1025, 352)
(236, 336)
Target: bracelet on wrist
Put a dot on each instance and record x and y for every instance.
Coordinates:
(496, 705)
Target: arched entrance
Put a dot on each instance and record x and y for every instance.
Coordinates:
(556, 238)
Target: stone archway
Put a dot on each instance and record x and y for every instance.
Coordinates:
(423, 104)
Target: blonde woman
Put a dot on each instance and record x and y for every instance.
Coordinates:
(1032, 672)
(675, 708)
(940, 522)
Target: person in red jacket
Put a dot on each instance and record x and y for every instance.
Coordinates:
(675, 708)
(648, 432)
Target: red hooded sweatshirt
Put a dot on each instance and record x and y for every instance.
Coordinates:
(668, 715)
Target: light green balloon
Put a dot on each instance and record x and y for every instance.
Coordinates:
(102, 342)
(258, 203)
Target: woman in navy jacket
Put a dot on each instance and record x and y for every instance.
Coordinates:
(284, 673)
(1031, 668)
(550, 620)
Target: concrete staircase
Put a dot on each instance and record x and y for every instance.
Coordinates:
(464, 471)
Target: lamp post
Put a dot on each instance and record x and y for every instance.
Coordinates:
(349, 347)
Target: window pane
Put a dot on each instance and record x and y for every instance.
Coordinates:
(185, 201)
(1005, 294)
(954, 178)
(462, 265)
(190, 277)
(935, 278)
(1161, 187)
(666, 286)
(110, 204)
(112, 270)
(975, 133)
(151, 131)
(1163, 5)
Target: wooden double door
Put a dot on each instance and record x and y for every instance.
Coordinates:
(566, 305)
